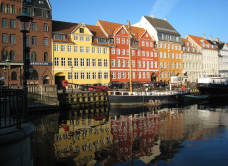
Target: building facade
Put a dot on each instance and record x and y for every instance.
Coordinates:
(80, 54)
(39, 38)
(168, 42)
(209, 54)
(192, 61)
(143, 55)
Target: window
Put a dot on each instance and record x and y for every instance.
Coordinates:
(75, 48)
(34, 40)
(117, 40)
(33, 56)
(128, 75)
(4, 23)
(3, 8)
(70, 76)
(82, 49)
(56, 61)
(81, 30)
(123, 75)
(132, 52)
(151, 64)
(8, 8)
(122, 31)
(99, 50)
(87, 38)
(76, 62)
(143, 64)
(144, 76)
(132, 63)
(63, 62)
(30, 11)
(87, 49)
(118, 75)
(155, 54)
(143, 53)
(13, 9)
(34, 26)
(56, 47)
(133, 75)
(63, 48)
(88, 62)
(45, 57)
(142, 43)
(99, 62)
(70, 62)
(94, 75)
(123, 63)
(82, 62)
(151, 54)
(82, 75)
(118, 51)
(139, 63)
(151, 44)
(81, 38)
(99, 75)
(94, 62)
(13, 75)
(45, 13)
(12, 24)
(76, 76)
(45, 27)
(60, 36)
(93, 50)
(164, 54)
(105, 51)
(33, 75)
(76, 37)
(113, 51)
(12, 55)
(113, 62)
(138, 53)
(88, 75)
(13, 39)
(123, 41)
(4, 55)
(46, 41)
(105, 75)
(118, 63)
(4, 38)
(147, 43)
(123, 51)
(101, 40)
(147, 53)
(105, 63)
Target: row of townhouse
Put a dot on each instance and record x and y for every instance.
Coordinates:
(89, 54)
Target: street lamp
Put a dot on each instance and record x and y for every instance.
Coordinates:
(24, 23)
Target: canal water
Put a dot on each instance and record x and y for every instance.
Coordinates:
(181, 134)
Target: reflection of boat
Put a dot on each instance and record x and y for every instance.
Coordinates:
(195, 98)
(213, 85)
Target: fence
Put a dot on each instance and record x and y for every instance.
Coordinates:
(12, 108)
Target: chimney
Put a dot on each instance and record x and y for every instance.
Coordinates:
(152, 16)
(217, 39)
(211, 38)
(204, 36)
(165, 19)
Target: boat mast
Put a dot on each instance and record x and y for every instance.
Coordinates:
(129, 42)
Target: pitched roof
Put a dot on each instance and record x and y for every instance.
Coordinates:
(96, 30)
(63, 27)
(200, 41)
(44, 4)
(111, 28)
(162, 25)
(190, 46)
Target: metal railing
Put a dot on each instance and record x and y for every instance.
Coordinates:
(12, 108)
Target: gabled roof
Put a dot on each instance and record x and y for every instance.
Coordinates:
(44, 4)
(200, 41)
(63, 27)
(96, 31)
(111, 28)
(190, 46)
(162, 25)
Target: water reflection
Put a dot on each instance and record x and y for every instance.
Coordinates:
(148, 136)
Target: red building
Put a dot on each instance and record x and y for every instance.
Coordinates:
(39, 38)
(143, 54)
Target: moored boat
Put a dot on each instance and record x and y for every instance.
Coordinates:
(195, 98)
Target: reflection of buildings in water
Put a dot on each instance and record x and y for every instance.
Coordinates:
(134, 135)
(45, 128)
(85, 133)
(203, 121)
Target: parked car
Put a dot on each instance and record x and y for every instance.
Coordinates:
(84, 87)
(115, 85)
(135, 85)
(98, 88)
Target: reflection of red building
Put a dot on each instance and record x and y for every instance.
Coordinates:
(129, 133)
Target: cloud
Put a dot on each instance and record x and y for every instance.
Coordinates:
(161, 8)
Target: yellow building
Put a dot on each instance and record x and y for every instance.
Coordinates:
(80, 54)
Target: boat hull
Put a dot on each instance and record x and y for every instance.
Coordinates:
(195, 98)
(212, 89)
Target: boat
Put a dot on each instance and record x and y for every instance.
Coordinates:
(213, 85)
(195, 98)
(143, 98)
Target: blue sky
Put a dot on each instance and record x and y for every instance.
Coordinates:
(194, 17)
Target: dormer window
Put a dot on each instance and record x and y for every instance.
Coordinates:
(101, 40)
(187, 44)
(111, 40)
(45, 13)
(30, 11)
(188, 49)
(40, 2)
(207, 45)
(60, 36)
